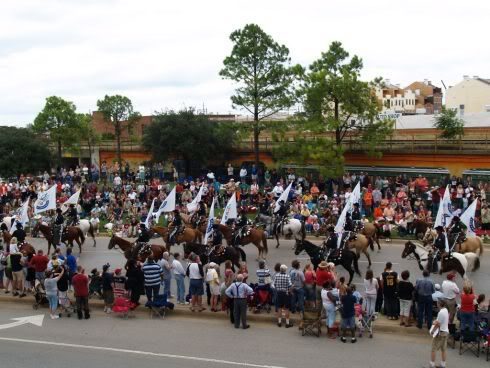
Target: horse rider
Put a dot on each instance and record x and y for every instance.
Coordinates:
(356, 217)
(280, 214)
(72, 216)
(58, 223)
(199, 214)
(439, 246)
(240, 227)
(217, 238)
(142, 240)
(19, 233)
(177, 227)
(265, 206)
(456, 229)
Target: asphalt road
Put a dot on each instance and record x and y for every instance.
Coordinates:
(98, 256)
(108, 341)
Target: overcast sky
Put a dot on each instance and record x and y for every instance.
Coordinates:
(167, 54)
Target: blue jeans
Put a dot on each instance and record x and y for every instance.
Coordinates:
(151, 292)
(298, 300)
(467, 320)
(331, 312)
(424, 309)
(166, 286)
(179, 279)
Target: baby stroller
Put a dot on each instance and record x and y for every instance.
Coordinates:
(66, 305)
(262, 299)
(95, 285)
(364, 322)
(39, 295)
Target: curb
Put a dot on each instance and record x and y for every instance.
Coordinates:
(381, 325)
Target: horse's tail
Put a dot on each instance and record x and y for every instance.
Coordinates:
(476, 265)
(91, 232)
(81, 235)
(264, 242)
(243, 256)
(481, 245)
(303, 230)
(356, 265)
(371, 243)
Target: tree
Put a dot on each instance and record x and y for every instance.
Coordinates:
(21, 151)
(265, 78)
(117, 110)
(338, 106)
(86, 134)
(450, 125)
(187, 136)
(58, 119)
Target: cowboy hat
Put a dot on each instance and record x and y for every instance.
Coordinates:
(439, 228)
(323, 264)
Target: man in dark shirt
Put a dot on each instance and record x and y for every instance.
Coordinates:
(390, 282)
(19, 233)
(80, 288)
(348, 315)
(72, 215)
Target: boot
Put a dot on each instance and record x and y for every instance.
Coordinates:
(87, 315)
(79, 314)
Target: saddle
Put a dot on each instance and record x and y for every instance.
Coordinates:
(335, 255)
(218, 250)
(140, 249)
(245, 231)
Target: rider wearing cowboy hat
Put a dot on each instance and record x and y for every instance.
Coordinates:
(177, 224)
(59, 220)
(439, 246)
(456, 228)
(72, 215)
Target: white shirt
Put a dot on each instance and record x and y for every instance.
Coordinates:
(449, 289)
(278, 189)
(325, 301)
(178, 268)
(371, 286)
(117, 180)
(443, 319)
(243, 172)
(194, 271)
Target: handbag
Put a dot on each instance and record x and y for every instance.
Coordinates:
(267, 280)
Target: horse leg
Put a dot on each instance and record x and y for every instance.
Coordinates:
(277, 239)
(351, 274)
(366, 253)
(376, 238)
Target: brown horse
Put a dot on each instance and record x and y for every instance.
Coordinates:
(6, 236)
(472, 244)
(419, 228)
(27, 249)
(370, 231)
(189, 235)
(71, 234)
(361, 244)
(256, 236)
(126, 247)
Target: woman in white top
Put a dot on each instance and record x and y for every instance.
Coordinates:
(212, 279)
(330, 298)
(371, 286)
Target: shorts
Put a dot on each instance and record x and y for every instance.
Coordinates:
(215, 289)
(405, 306)
(440, 342)
(348, 323)
(18, 275)
(196, 287)
(108, 296)
(282, 300)
(8, 273)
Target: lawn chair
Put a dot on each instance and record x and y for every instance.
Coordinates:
(312, 322)
(469, 341)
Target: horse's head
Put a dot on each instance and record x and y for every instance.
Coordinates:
(298, 247)
(409, 248)
(3, 227)
(112, 242)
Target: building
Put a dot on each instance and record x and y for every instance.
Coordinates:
(417, 98)
(471, 95)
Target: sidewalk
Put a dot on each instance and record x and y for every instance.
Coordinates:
(381, 325)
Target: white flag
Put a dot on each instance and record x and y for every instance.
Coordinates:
(230, 211)
(444, 214)
(191, 207)
(21, 217)
(72, 200)
(150, 214)
(168, 205)
(46, 201)
(339, 227)
(209, 228)
(283, 197)
(468, 218)
(355, 197)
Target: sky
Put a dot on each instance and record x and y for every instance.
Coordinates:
(167, 55)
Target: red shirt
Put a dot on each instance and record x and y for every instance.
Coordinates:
(467, 302)
(322, 276)
(80, 284)
(39, 263)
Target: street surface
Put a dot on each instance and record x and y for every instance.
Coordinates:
(177, 342)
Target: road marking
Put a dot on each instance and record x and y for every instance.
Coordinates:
(35, 320)
(137, 352)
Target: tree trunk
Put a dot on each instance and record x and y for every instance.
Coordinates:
(118, 139)
(59, 152)
(256, 136)
(338, 138)
(89, 152)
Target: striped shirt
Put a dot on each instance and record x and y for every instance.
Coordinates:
(152, 272)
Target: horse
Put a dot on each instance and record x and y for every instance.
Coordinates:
(206, 255)
(71, 234)
(27, 249)
(359, 243)
(429, 236)
(256, 236)
(371, 231)
(7, 220)
(455, 262)
(289, 228)
(126, 246)
(6, 236)
(87, 229)
(189, 235)
(420, 228)
(472, 244)
(346, 258)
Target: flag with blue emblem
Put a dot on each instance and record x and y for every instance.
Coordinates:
(230, 211)
(468, 218)
(168, 205)
(45, 201)
(209, 227)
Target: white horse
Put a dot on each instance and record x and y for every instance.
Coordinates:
(7, 220)
(87, 228)
(292, 228)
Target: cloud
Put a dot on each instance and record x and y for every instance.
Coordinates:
(168, 54)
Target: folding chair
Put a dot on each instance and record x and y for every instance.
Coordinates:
(158, 307)
(451, 339)
(312, 322)
(469, 341)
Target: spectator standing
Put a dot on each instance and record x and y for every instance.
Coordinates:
(80, 289)
(467, 310)
(153, 273)
(437, 293)
(348, 315)
(371, 285)
(282, 285)
(439, 342)
(310, 285)
(179, 274)
(40, 263)
(167, 273)
(107, 289)
(424, 287)
(405, 293)
(51, 287)
(297, 291)
(3, 264)
(243, 174)
(330, 299)
(323, 275)
(390, 281)
(239, 291)
(450, 291)
(195, 272)
(17, 264)
(135, 280)
(212, 278)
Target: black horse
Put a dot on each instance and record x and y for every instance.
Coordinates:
(234, 254)
(344, 257)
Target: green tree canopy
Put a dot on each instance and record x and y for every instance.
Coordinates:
(262, 69)
(86, 133)
(187, 136)
(116, 110)
(58, 119)
(338, 106)
(450, 125)
(22, 151)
